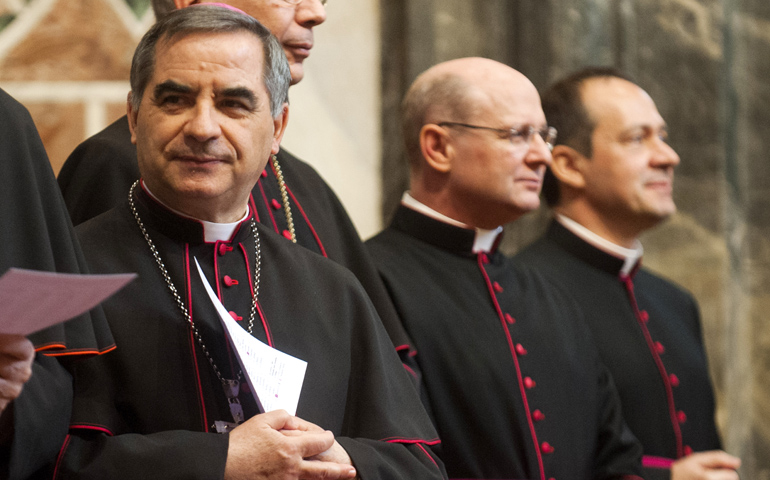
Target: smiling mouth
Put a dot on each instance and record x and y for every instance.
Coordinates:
(535, 182)
(661, 185)
(199, 161)
(300, 49)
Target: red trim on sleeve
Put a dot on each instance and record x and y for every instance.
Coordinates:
(433, 441)
(650, 461)
(61, 456)
(96, 428)
(427, 454)
(65, 352)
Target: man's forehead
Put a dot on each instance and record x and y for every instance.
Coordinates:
(512, 104)
(619, 103)
(222, 58)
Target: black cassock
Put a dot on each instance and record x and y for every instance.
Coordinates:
(97, 175)
(38, 235)
(145, 410)
(511, 378)
(654, 350)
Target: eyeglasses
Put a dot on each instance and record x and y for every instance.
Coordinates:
(297, 2)
(517, 137)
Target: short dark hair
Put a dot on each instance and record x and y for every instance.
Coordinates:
(161, 8)
(563, 107)
(211, 19)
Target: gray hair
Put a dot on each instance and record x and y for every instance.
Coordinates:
(211, 19)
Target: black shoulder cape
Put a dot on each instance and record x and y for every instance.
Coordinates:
(37, 234)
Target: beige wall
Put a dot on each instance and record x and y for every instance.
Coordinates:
(334, 120)
(68, 62)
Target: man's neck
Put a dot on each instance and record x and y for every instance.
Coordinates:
(630, 255)
(609, 231)
(485, 238)
(213, 231)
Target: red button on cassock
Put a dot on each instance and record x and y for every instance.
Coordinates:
(687, 450)
(484, 258)
(264, 174)
(644, 315)
(509, 318)
(520, 349)
(681, 416)
(659, 348)
(223, 248)
(275, 203)
(546, 447)
(235, 316)
(230, 281)
(674, 380)
(537, 415)
(287, 234)
(498, 288)
(529, 383)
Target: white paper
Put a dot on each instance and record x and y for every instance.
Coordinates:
(31, 300)
(274, 377)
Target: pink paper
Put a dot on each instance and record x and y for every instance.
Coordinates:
(32, 300)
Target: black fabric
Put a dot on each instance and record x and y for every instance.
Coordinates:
(100, 171)
(38, 235)
(144, 411)
(496, 344)
(592, 276)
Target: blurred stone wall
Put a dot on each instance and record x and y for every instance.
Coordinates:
(707, 65)
(68, 63)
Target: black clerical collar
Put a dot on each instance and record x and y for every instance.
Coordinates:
(440, 234)
(590, 253)
(484, 240)
(182, 227)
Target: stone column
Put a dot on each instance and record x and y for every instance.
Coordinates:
(746, 132)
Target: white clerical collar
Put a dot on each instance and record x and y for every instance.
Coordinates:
(484, 240)
(212, 232)
(630, 255)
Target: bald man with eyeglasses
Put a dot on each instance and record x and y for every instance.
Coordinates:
(512, 382)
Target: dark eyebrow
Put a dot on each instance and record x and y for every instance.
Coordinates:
(170, 86)
(240, 92)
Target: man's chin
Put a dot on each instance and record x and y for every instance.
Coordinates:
(297, 72)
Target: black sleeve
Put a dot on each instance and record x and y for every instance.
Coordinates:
(37, 422)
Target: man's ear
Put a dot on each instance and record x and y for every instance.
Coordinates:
(279, 127)
(184, 3)
(437, 150)
(568, 166)
(131, 114)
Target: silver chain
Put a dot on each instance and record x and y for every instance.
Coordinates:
(172, 287)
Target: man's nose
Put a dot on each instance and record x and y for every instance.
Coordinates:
(664, 155)
(539, 152)
(203, 124)
(310, 13)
